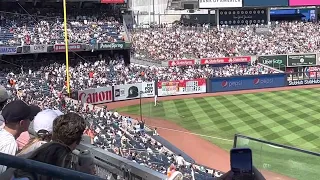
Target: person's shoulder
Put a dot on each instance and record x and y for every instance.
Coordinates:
(6, 137)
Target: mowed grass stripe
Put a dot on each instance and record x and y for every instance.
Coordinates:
(189, 122)
(290, 129)
(258, 116)
(249, 121)
(215, 116)
(287, 134)
(265, 130)
(296, 129)
(201, 116)
(235, 121)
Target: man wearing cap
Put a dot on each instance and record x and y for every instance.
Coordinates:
(4, 96)
(17, 115)
(42, 126)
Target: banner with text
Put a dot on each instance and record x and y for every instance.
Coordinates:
(168, 88)
(38, 48)
(274, 61)
(182, 62)
(303, 82)
(312, 72)
(226, 60)
(114, 45)
(302, 60)
(96, 95)
(132, 91)
(248, 82)
(8, 50)
(210, 4)
(72, 47)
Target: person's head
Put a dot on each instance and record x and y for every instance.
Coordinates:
(43, 123)
(68, 129)
(4, 96)
(17, 116)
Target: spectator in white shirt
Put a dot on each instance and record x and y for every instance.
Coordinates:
(180, 161)
(17, 116)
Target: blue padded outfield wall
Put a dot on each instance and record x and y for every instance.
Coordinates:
(247, 82)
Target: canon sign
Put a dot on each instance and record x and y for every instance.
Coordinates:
(96, 95)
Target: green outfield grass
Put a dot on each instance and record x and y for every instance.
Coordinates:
(286, 117)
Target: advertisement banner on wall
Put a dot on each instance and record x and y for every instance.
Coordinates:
(312, 72)
(304, 2)
(38, 48)
(168, 88)
(182, 62)
(303, 82)
(114, 45)
(132, 91)
(148, 89)
(210, 4)
(96, 95)
(248, 82)
(273, 61)
(268, 3)
(72, 47)
(226, 60)
(302, 60)
(8, 50)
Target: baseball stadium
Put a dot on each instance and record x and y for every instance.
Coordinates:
(159, 89)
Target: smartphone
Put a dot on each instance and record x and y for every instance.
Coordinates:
(241, 163)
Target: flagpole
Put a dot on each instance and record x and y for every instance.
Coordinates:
(66, 44)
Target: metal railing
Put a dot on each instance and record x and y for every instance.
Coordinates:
(280, 159)
(121, 166)
(44, 169)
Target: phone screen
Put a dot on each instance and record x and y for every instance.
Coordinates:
(241, 164)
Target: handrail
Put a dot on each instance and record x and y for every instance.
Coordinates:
(108, 159)
(275, 144)
(43, 168)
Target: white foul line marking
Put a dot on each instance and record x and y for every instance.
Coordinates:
(213, 137)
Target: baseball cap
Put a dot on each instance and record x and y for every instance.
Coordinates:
(18, 110)
(4, 94)
(133, 92)
(44, 120)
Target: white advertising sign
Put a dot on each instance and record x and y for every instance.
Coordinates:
(132, 91)
(38, 48)
(148, 89)
(211, 4)
(96, 95)
(169, 88)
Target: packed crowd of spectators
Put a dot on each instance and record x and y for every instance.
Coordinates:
(45, 26)
(121, 135)
(170, 42)
(104, 71)
(44, 85)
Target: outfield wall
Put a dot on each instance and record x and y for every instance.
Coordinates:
(247, 82)
(103, 95)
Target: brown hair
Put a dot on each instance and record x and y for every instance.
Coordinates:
(68, 128)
